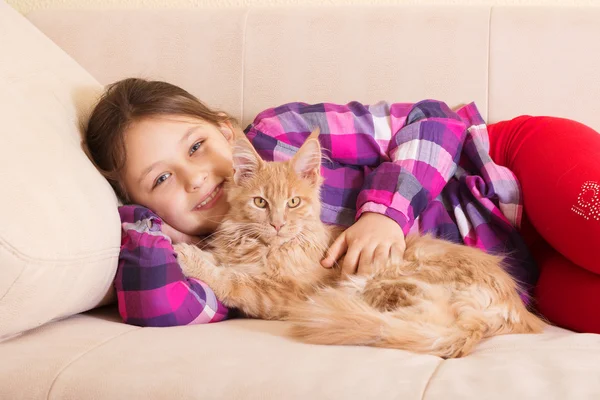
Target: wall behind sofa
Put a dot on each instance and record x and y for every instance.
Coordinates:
(26, 6)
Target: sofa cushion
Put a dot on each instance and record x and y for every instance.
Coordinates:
(94, 355)
(60, 231)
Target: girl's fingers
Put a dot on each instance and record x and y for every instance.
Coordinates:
(336, 251)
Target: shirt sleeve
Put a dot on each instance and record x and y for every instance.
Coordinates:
(422, 156)
(151, 288)
(405, 152)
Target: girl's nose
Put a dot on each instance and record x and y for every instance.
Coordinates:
(194, 180)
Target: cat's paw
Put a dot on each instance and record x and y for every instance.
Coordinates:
(190, 259)
(184, 252)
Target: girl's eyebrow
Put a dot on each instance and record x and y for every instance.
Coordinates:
(188, 133)
(147, 171)
(183, 139)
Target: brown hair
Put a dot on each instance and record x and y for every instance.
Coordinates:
(125, 102)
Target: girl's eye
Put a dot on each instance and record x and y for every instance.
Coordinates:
(293, 202)
(260, 202)
(161, 179)
(195, 147)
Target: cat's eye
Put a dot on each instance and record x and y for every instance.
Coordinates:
(260, 202)
(293, 202)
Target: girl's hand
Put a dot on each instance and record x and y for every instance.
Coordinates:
(178, 237)
(373, 241)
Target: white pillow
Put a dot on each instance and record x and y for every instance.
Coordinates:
(59, 226)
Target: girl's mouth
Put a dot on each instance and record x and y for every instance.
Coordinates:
(210, 199)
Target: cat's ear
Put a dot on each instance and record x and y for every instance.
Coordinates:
(246, 160)
(307, 161)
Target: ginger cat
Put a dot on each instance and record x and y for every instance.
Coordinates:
(264, 259)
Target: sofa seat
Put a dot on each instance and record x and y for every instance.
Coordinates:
(95, 356)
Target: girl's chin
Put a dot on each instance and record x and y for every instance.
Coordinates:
(207, 222)
(205, 229)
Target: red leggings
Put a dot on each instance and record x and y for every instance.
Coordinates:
(557, 162)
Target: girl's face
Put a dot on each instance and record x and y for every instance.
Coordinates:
(176, 166)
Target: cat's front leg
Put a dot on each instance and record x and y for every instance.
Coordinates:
(234, 288)
(193, 261)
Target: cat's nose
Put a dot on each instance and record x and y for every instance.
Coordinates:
(277, 225)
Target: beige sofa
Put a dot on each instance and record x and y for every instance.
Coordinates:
(61, 335)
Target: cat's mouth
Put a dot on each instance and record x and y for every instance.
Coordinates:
(210, 199)
(280, 237)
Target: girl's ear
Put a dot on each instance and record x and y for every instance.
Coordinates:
(228, 131)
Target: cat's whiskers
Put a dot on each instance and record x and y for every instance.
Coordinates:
(238, 232)
(305, 239)
(203, 239)
(218, 221)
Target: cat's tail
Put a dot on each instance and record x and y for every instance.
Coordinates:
(338, 319)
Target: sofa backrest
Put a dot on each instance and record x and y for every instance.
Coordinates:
(509, 60)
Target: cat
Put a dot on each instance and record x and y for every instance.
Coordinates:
(264, 259)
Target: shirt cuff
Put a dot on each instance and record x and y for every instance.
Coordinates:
(401, 219)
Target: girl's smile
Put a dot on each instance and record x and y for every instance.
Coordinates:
(210, 199)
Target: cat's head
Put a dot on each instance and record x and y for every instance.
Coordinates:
(275, 201)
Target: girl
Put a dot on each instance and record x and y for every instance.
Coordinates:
(391, 170)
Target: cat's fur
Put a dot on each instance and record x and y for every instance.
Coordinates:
(442, 299)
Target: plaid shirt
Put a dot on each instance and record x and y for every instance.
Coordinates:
(151, 288)
(423, 165)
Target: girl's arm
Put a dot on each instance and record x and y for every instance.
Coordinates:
(423, 151)
(386, 162)
(409, 151)
(151, 288)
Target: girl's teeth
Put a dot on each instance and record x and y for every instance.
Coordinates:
(210, 197)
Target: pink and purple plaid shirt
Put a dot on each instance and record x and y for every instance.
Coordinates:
(423, 165)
